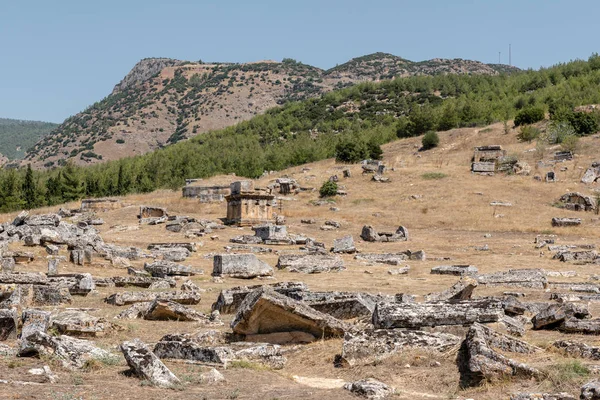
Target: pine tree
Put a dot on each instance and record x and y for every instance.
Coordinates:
(72, 187)
(29, 189)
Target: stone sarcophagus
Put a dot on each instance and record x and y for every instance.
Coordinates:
(246, 206)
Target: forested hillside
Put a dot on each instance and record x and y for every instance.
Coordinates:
(358, 118)
(162, 101)
(17, 136)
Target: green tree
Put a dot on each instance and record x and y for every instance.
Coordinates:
(430, 140)
(30, 189)
(72, 186)
(375, 151)
(529, 116)
(351, 150)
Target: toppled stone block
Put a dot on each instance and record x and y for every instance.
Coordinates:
(33, 321)
(71, 352)
(457, 270)
(138, 280)
(590, 391)
(35, 278)
(170, 310)
(8, 323)
(51, 295)
(461, 290)
(399, 271)
(266, 311)
(369, 234)
(189, 286)
(592, 174)
(554, 315)
(53, 266)
(415, 315)
(245, 266)
(162, 269)
(579, 350)
(478, 361)
(230, 299)
(310, 263)
(135, 311)
(582, 326)
(344, 245)
(529, 278)
(126, 298)
(147, 365)
(7, 264)
(368, 346)
(386, 258)
(566, 221)
(587, 256)
(272, 234)
(370, 389)
(342, 305)
(79, 323)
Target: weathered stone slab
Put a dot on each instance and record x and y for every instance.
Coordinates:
(576, 349)
(370, 389)
(368, 346)
(385, 258)
(266, 311)
(147, 365)
(541, 396)
(8, 323)
(126, 298)
(529, 278)
(230, 299)
(344, 245)
(245, 266)
(79, 323)
(457, 270)
(162, 269)
(191, 247)
(310, 263)
(585, 326)
(554, 315)
(33, 321)
(51, 295)
(170, 310)
(24, 278)
(343, 305)
(479, 362)
(415, 315)
(71, 352)
(461, 290)
(556, 221)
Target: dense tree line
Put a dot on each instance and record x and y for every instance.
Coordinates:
(350, 123)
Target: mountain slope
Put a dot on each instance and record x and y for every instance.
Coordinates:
(17, 136)
(163, 101)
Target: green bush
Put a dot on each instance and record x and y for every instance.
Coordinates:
(430, 140)
(328, 189)
(584, 123)
(558, 131)
(351, 150)
(529, 115)
(375, 151)
(527, 133)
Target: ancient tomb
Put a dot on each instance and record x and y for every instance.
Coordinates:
(485, 158)
(246, 206)
(207, 194)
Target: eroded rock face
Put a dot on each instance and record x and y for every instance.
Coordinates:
(478, 361)
(310, 263)
(73, 353)
(371, 345)
(417, 315)
(265, 311)
(245, 266)
(147, 365)
(370, 389)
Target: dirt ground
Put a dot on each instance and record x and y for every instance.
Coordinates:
(446, 216)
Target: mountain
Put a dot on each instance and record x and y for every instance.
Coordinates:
(17, 136)
(162, 101)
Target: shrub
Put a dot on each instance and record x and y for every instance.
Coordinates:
(328, 189)
(527, 133)
(351, 150)
(430, 140)
(375, 151)
(529, 115)
(584, 123)
(558, 131)
(570, 143)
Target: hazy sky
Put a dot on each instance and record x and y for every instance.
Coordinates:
(58, 57)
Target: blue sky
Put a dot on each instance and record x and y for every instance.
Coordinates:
(58, 57)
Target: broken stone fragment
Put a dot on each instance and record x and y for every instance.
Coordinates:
(147, 365)
(310, 263)
(458, 270)
(33, 321)
(169, 310)
(372, 345)
(478, 361)
(576, 349)
(212, 377)
(370, 389)
(125, 298)
(8, 323)
(35, 278)
(162, 269)
(386, 258)
(461, 290)
(566, 221)
(230, 299)
(583, 326)
(554, 315)
(342, 305)
(344, 245)
(399, 271)
(265, 311)
(417, 315)
(51, 295)
(529, 278)
(71, 352)
(244, 266)
(79, 323)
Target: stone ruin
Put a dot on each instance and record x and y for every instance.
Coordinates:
(285, 185)
(577, 202)
(372, 167)
(246, 206)
(150, 214)
(369, 234)
(100, 204)
(563, 156)
(485, 158)
(207, 194)
(592, 174)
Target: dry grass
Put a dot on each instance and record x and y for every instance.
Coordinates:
(448, 217)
